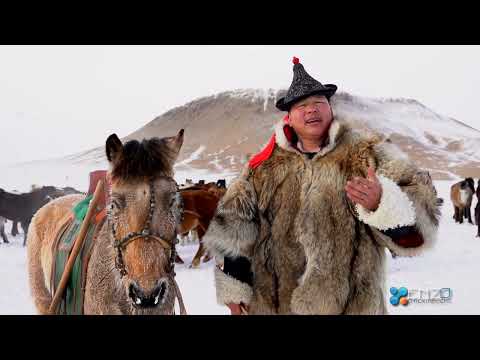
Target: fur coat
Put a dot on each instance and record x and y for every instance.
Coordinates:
(311, 250)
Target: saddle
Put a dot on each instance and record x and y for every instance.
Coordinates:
(73, 296)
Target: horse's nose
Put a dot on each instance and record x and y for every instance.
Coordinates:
(153, 298)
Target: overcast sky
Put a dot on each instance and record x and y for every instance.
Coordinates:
(59, 100)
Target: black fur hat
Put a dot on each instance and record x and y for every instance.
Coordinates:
(303, 85)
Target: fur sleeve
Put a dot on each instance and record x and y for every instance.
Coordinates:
(230, 290)
(409, 199)
(235, 225)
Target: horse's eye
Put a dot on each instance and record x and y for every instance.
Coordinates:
(116, 204)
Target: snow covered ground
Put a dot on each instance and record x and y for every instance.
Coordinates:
(196, 285)
(454, 264)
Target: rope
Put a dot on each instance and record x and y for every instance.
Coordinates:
(178, 294)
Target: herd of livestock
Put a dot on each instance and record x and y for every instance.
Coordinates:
(20, 207)
(199, 208)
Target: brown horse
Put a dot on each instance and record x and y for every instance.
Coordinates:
(199, 203)
(461, 194)
(130, 270)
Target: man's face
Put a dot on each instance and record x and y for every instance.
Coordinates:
(311, 117)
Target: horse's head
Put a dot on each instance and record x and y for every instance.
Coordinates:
(468, 183)
(471, 183)
(145, 210)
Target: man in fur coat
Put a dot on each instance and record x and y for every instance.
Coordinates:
(303, 229)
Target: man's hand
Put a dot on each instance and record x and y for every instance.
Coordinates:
(366, 192)
(238, 309)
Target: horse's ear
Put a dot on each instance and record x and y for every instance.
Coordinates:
(175, 143)
(113, 148)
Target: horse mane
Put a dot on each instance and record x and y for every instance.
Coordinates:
(471, 183)
(47, 188)
(149, 158)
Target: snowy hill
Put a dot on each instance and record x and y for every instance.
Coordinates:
(222, 130)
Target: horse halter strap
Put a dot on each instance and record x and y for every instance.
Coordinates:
(119, 245)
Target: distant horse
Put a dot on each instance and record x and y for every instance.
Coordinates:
(221, 183)
(477, 208)
(188, 183)
(14, 230)
(199, 204)
(21, 207)
(477, 192)
(2, 229)
(461, 194)
(190, 237)
(466, 210)
(66, 191)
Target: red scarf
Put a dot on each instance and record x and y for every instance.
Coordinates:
(267, 151)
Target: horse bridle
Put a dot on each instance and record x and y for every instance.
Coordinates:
(120, 245)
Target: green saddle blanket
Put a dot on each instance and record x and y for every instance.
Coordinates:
(80, 210)
(73, 296)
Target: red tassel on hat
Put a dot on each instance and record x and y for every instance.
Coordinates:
(296, 60)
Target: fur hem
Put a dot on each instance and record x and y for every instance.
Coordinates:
(231, 290)
(395, 208)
